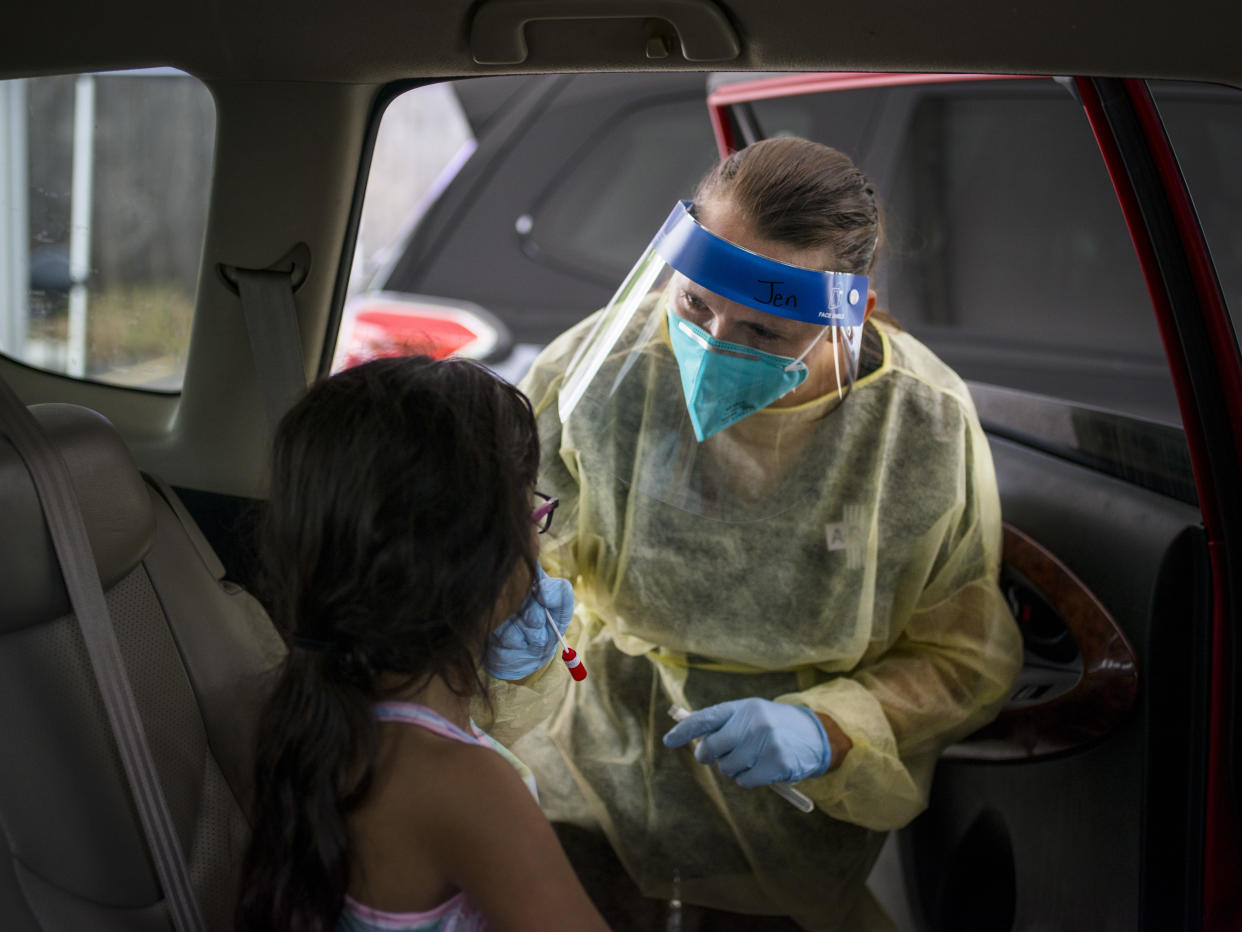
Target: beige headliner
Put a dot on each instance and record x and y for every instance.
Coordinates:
(376, 41)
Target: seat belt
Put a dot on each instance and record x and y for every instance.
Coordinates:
(63, 513)
(272, 326)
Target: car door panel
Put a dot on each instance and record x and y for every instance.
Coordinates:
(1067, 829)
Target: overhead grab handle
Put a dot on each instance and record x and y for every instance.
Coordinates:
(271, 318)
(498, 32)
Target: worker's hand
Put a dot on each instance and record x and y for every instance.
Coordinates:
(525, 641)
(757, 741)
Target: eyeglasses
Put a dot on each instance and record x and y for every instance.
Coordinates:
(542, 516)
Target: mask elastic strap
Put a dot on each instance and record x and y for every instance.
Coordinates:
(819, 336)
(836, 363)
(836, 360)
(851, 369)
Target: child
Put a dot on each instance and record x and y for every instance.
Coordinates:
(399, 537)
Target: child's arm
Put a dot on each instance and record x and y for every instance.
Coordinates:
(495, 843)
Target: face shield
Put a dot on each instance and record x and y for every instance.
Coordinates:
(740, 325)
(701, 335)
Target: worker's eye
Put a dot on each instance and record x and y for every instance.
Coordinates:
(760, 332)
(693, 303)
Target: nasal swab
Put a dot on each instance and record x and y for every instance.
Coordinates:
(795, 798)
(577, 669)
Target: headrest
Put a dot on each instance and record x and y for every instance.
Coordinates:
(115, 504)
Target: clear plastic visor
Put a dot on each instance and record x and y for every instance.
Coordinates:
(730, 298)
(682, 387)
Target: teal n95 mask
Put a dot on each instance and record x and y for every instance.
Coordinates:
(724, 382)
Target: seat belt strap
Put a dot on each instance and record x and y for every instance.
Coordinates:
(275, 342)
(63, 512)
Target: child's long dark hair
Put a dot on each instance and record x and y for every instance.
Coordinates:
(399, 510)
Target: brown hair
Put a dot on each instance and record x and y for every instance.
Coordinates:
(811, 196)
(804, 194)
(399, 511)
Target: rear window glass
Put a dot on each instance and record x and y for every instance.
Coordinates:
(500, 211)
(423, 141)
(104, 182)
(1008, 255)
(616, 194)
(1006, 251)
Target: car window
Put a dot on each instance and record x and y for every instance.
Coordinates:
(1007, 253)
(562, 182)
(1011, 253)
(617, 192)
(104, 180)
(1006, 250)
(423, 140)
(1204, 124)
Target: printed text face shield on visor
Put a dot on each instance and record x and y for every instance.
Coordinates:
(767, 317)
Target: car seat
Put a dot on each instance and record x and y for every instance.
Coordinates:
(198, 651)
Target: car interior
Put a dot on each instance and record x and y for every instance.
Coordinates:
(234, 159)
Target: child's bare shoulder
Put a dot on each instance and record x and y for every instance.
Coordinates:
(480, 830)
(437, 780)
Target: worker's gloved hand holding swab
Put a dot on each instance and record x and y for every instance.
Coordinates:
(757, 742)
(523, 643)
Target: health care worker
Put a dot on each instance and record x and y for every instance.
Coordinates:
(779, 514)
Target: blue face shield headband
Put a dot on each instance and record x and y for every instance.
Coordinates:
(830, 299)
(725, 382)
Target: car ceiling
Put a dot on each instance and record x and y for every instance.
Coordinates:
(296, 87)
(379, 41)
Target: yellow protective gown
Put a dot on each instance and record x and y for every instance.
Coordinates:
(867, 592)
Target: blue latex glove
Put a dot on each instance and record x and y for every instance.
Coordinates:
(756, 741)
(524, 641)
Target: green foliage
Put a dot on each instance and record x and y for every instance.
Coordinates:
(136, 335)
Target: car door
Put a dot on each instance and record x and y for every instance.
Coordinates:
(1041, 240)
